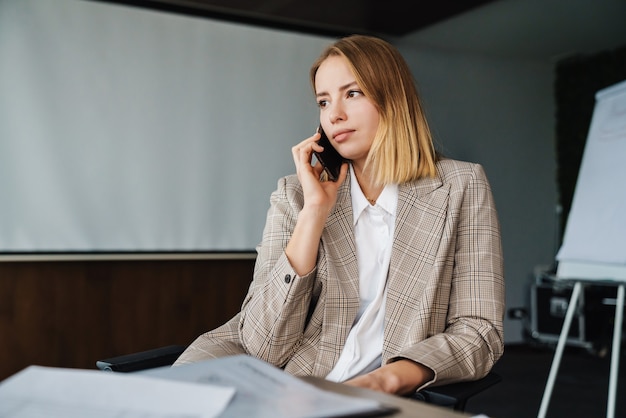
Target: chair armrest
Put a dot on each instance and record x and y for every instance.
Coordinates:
(157, 357)
(456, 395)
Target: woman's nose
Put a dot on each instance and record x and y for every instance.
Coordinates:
(337, 113)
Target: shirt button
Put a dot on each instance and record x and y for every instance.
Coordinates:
(287, 278)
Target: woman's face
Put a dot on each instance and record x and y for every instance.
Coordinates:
(348, 117)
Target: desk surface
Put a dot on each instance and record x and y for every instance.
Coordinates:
(407, 407)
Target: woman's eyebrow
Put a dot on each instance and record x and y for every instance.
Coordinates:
(341, 88)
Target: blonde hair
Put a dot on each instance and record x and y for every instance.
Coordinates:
(403, 149)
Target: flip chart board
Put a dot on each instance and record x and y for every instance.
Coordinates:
(594, 243)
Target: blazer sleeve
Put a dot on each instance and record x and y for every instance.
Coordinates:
(220, 342)
(275, 310)
(472, 339)
(271, 321)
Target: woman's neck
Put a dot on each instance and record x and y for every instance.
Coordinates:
(370, 189)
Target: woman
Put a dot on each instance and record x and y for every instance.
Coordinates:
(391, 277)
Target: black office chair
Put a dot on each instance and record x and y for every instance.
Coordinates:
(454, 395)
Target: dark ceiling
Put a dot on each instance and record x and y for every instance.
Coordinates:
(327, 17)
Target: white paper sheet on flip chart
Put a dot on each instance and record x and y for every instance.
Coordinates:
(594, 243)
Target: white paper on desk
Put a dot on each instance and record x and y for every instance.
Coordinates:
(265, 391)
(75, 393)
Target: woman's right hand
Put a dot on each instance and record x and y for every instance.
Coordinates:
(319, 199)
(317, 192)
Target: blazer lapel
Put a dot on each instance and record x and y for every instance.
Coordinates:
(420, 221)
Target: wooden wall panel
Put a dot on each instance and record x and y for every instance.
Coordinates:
(72, 313)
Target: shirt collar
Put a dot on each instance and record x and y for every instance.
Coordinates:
(388, 199)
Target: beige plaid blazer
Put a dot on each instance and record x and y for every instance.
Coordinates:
(445, 296)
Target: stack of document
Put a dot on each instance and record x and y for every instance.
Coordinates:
(230, 387)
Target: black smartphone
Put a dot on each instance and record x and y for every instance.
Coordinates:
(330, 159)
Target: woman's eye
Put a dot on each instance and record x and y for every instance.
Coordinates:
(322, 103)
(354, 93)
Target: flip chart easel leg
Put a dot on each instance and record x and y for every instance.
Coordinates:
(617, 338)
(559, 350)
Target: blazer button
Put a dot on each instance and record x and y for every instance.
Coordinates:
(287, 278)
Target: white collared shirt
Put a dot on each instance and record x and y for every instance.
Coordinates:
(373, 231)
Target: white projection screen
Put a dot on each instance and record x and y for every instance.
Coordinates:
(129, 130)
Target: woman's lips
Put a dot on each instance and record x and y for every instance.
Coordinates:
(341, 135)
